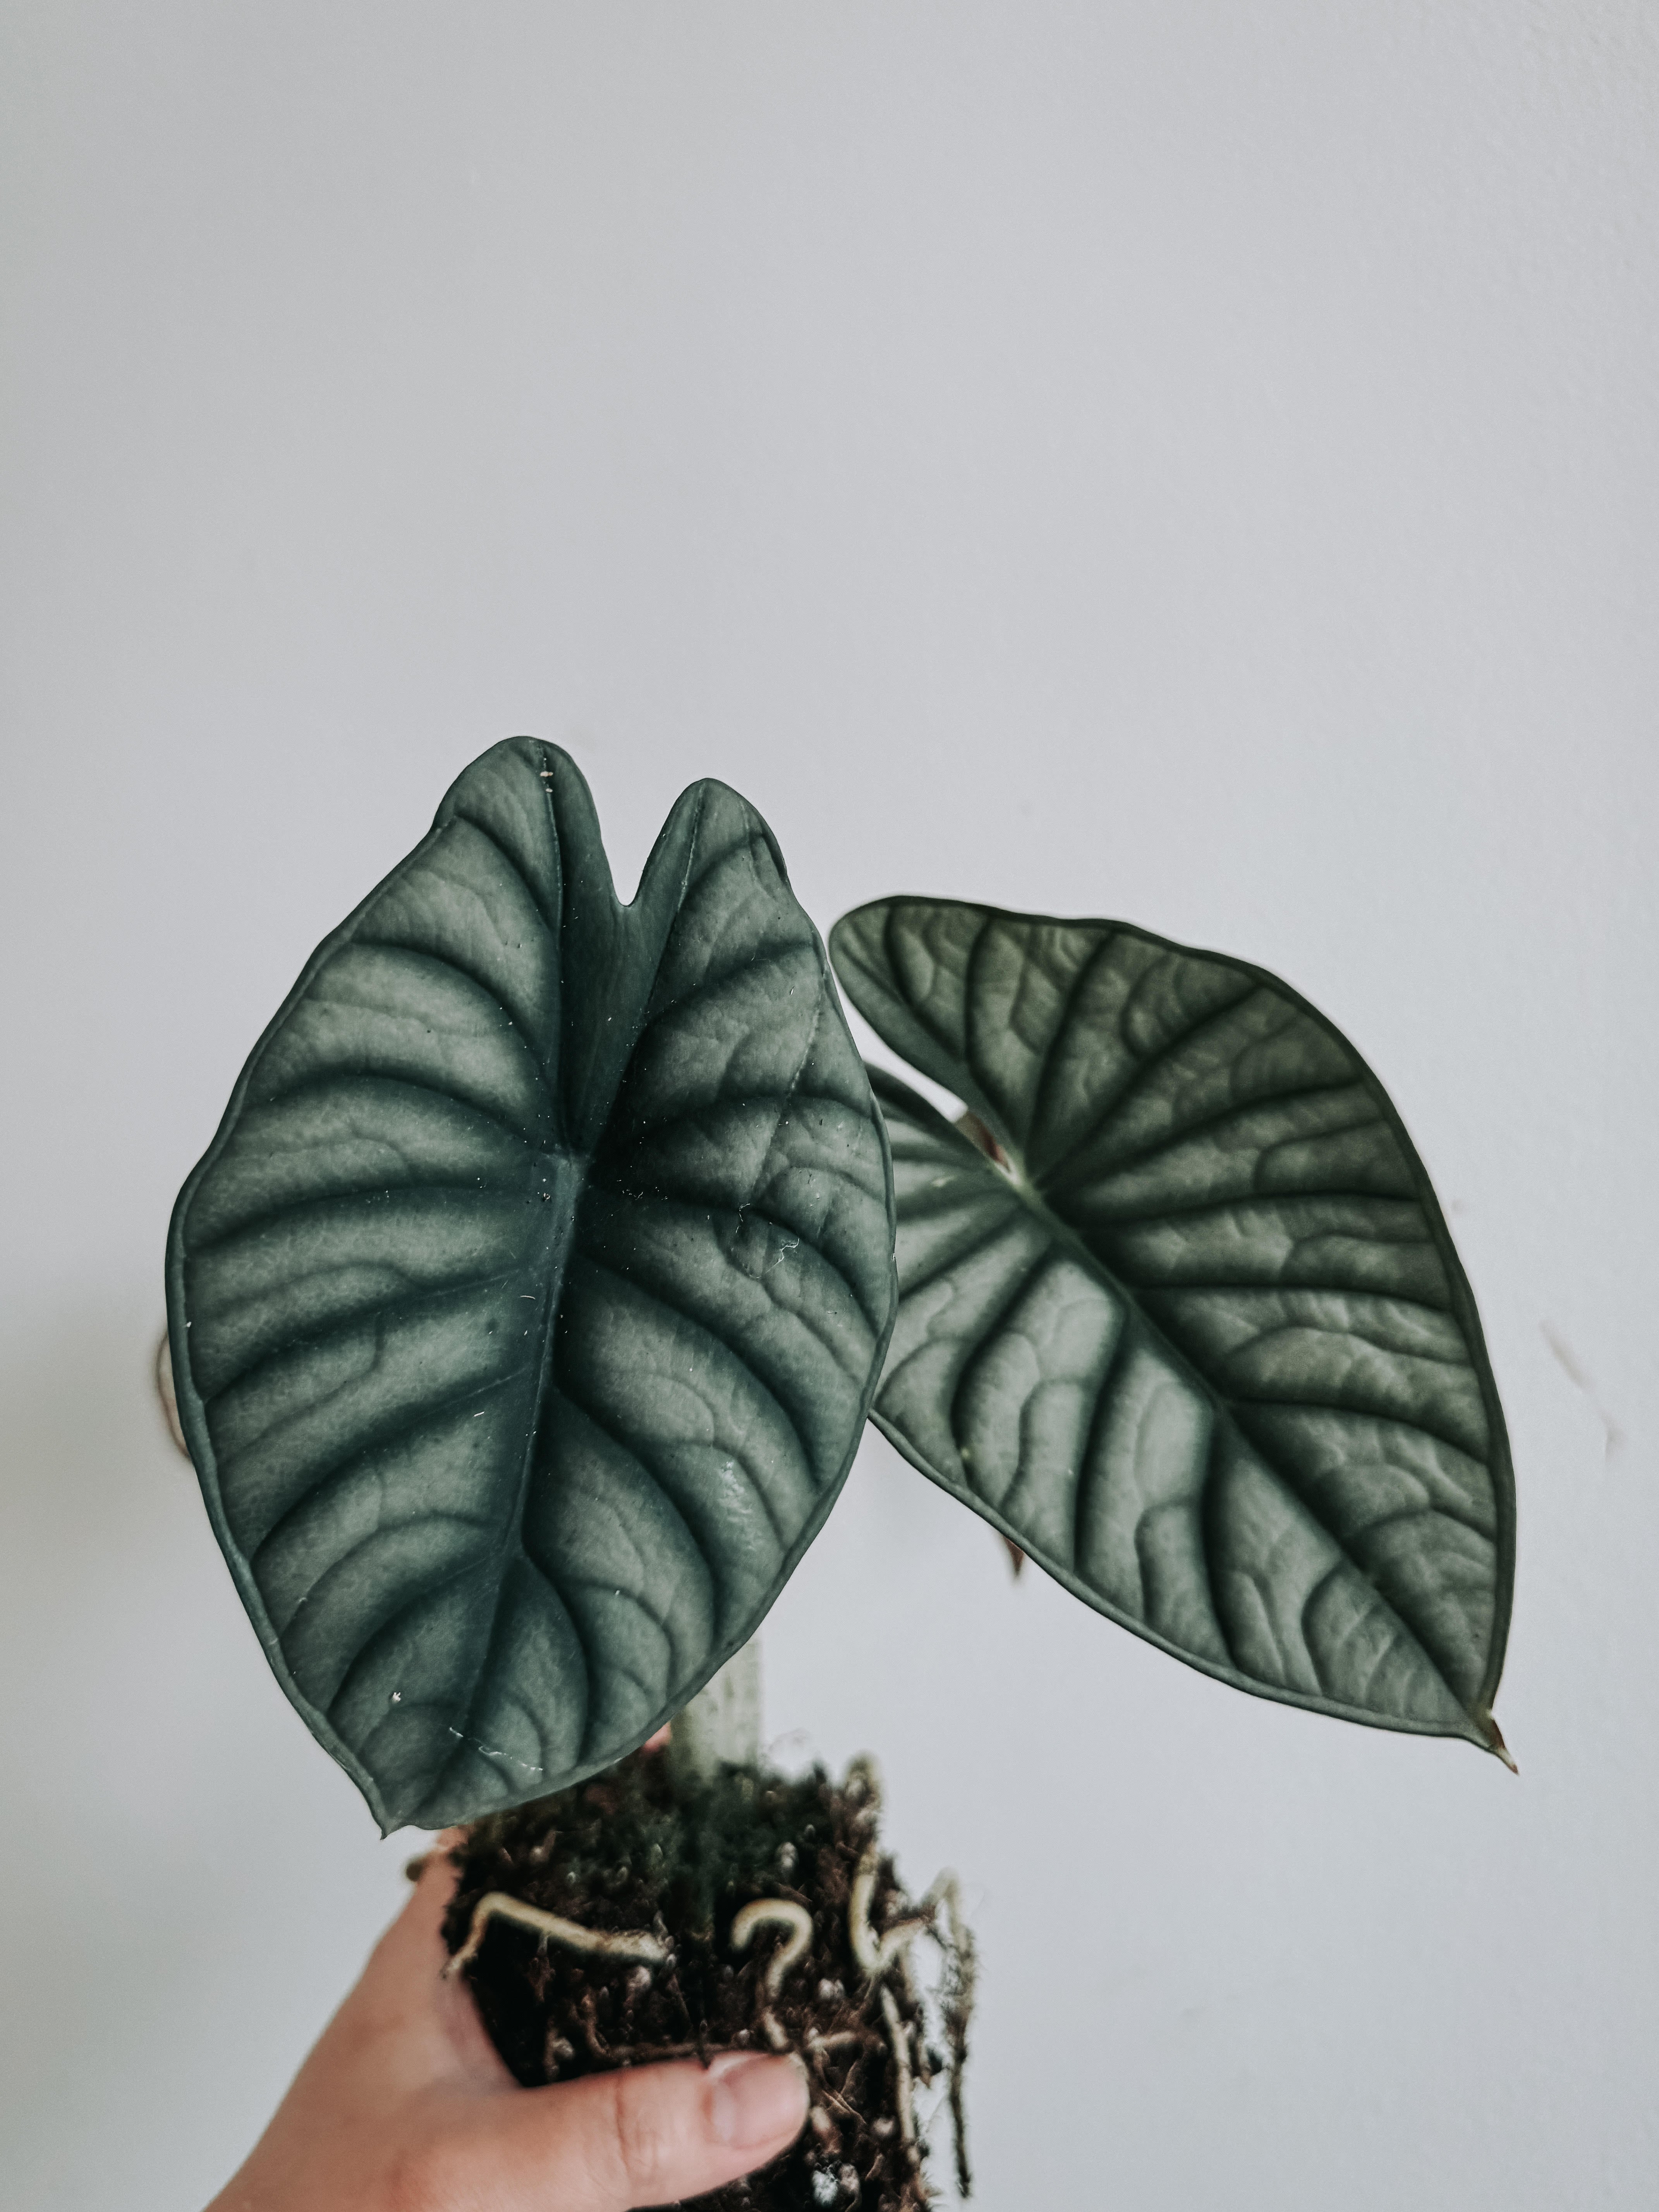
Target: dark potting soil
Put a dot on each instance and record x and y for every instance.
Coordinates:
(637, 1849)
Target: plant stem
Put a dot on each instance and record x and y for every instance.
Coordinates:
(722, 1726)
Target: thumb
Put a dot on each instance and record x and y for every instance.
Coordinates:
(651, 2134)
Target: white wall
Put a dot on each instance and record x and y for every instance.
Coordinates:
(1191, 461)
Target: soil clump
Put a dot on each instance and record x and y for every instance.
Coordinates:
(754, 1912)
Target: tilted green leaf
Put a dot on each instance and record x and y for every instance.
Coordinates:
(1201, 1343)
(527, 1306)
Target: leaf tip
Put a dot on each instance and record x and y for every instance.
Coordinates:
(1494, 1736)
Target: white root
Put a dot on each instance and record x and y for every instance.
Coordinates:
(863, 1779)
(844, 2039)
(946, 1891)
(958, 2012)
(905, 2098)
(876, 1954)
(774, 1912)
(586, 1942)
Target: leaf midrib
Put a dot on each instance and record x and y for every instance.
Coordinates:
(631, 921)
(1224, 1405)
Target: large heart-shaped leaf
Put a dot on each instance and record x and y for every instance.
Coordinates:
(1195, 1336)
(527, 1306)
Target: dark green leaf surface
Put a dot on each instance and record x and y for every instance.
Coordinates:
(527, 1307)
(1201, 1346)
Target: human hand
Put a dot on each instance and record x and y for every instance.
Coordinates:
(404, 2106)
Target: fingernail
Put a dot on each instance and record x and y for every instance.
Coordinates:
(753, 2099)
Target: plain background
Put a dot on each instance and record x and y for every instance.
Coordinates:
(1195, 461)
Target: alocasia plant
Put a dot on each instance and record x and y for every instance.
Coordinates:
(527, 1308)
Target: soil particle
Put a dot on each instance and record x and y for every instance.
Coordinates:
(634, 1850)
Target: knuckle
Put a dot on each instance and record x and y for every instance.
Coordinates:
(637, 2133)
